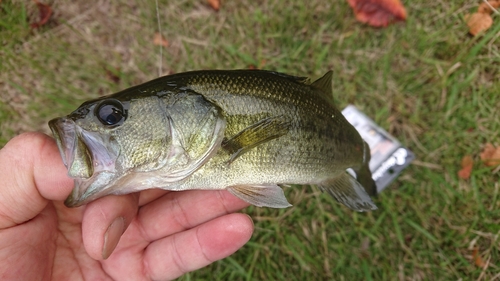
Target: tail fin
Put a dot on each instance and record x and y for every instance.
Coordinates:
(363, 173)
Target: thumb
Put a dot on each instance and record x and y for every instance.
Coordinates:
(31, 173)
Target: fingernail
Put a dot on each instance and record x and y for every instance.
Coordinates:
(112, 236)
(250, 218)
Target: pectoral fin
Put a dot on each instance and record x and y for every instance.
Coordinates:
(349, 192)
(258, 133)
(261, 195)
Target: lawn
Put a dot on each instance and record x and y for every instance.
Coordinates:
(426, 81)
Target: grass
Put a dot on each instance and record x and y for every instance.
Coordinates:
(426, 81)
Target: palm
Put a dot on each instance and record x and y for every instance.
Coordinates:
(72, 262)
(162, 240)
(167, 233)
(151, 247)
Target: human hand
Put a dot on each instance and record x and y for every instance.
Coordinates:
(165, 234)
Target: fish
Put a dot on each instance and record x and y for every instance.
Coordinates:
(251, 132)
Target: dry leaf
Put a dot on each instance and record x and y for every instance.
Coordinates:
(481, 20)
(159, 40)
(112, 76)
(215, 4)
(378, 13)
(478, 261)
(478, 22)
(364, 249)
(485, 8)
(45, 13)
(467, 163)
(261, 65)
(490, 155)
(408, 239)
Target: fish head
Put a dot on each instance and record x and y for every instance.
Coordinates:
(131, 141)
(105, 140)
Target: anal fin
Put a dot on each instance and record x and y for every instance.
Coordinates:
(363, 173)
(346, 190)
(261, 195)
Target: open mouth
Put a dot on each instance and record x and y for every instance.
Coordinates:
(74, 151)
(89, 157)
(64, 132)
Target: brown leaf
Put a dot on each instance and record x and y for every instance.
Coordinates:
(112, 76)
(478, 22)
(490, 155)
(408, 239)
(467, 164)
(478, 261)
(261, 65)
(365, 247)
(485, 8)
(378, 13)
(160, 40)
(215, 4)
(45, 13)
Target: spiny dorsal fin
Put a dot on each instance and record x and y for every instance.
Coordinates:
(324, 84)
(298, 79)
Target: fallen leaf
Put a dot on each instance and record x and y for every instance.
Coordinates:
(215, 4)
(365, 247)
(482, 20)
(159, 40)
(408, 239)
(112, 76)
(486, 9)
(490, 155)
(378, 13)
(261, 65)
(478, 22)
(467, 163)
(45, 13)
(478, 261)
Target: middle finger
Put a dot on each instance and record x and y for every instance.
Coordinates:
(178, 211)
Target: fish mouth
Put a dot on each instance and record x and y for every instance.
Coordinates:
(89, 158)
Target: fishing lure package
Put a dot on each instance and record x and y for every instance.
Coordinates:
(388, 156)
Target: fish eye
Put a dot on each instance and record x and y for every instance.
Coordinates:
(110, 112)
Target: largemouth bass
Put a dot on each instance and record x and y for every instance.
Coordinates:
(248, 131)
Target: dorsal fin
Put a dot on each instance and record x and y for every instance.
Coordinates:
(324, 84)
(298, 79)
